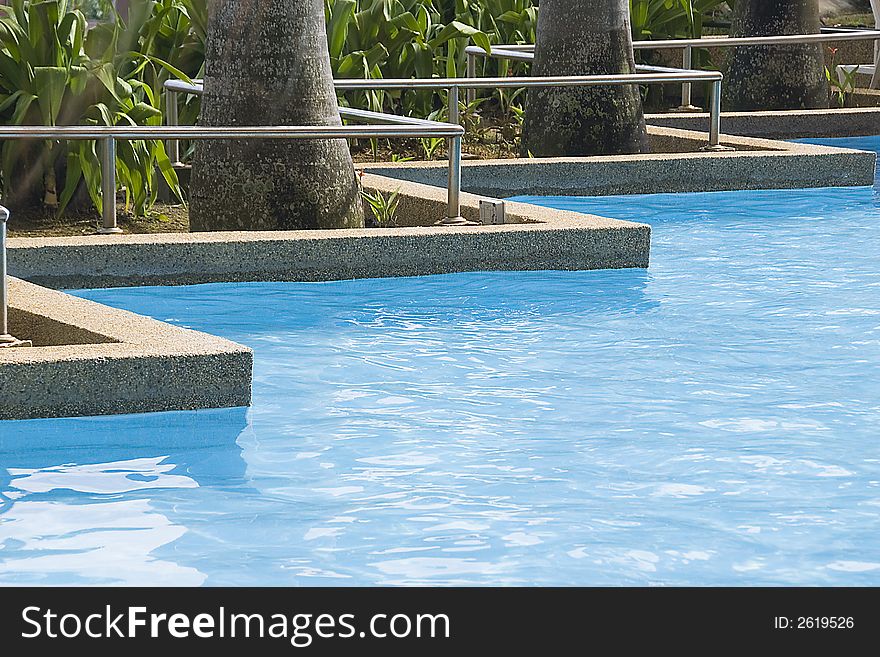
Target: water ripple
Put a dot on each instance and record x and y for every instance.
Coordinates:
(712, 420)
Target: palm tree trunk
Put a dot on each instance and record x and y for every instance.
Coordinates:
(267, 63)
(776, 77)
(584, 37)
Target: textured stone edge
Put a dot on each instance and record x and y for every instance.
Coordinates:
(755, 164)
(535, 238)
(132, 364)
(790, 124)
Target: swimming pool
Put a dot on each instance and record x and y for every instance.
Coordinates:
(710, 421)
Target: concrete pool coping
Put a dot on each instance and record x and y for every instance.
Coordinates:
(681, 167)
(90, 359)
(789, 124)
(534, 238)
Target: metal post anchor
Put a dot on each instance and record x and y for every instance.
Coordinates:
(108, 188)
(6, 340)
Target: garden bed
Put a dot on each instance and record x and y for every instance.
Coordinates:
(678, 165)
(43, 222)
(786, 124)
(533, 238)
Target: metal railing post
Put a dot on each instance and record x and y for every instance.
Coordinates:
(715, 114)
(715, 119)
(471, 72)
(687, 63)
(6, 340)
(453, 186)
(172, 119)
(875, 80)
(453, 182)
(108, 187)
(453, 106)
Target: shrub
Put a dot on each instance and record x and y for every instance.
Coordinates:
(54, 70)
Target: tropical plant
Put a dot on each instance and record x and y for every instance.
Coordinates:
(397, 39)
(842, 84)
(173, 31)
(383, 208)
(95, 9)
(669, 19)
(431, 146)
(54, 70)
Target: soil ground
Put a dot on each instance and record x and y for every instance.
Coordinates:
(850, 20)
(42, 222)
(494, 138)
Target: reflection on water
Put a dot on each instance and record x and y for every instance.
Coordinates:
(94, 543)
(80, 502)
(711, 421)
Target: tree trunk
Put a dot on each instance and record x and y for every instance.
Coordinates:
(267, 63)
(776, 77)
(584, 37)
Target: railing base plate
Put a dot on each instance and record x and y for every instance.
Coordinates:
(8, 342)
(457, 221)
(717, 149)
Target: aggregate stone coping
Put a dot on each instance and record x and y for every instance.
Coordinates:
(534, 238)
(678, 166)
(790, 124)
(90, 359)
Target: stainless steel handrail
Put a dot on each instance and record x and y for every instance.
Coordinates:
(673, 75)
(649, 75)
(80, 132)
(107, 135)
(829, 35)
(380, 117)
(726, 41)
(660, 74)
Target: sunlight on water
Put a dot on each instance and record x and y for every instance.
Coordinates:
(712, 420)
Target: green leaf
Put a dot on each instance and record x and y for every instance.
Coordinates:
(50, 83)
(450, 60)
(458, 29)
(91, 169)
(22, 105)
(72, 176)
(13, 74)
(359, 64)
(180, 75)
(166, 169)
(337, 27)
(140, 113)
(117, 87)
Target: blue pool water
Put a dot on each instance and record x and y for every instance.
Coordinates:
(712, 420)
